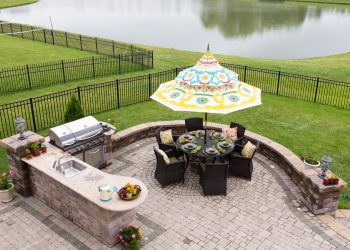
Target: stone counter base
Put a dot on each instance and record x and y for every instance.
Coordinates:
(101, 223)
(318, 198)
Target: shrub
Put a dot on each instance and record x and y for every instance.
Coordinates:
(74, 110)
(5, 180)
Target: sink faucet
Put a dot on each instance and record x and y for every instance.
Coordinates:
(57, 163)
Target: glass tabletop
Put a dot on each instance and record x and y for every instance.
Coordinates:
(217, 144)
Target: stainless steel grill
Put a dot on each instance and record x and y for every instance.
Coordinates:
(83, 138)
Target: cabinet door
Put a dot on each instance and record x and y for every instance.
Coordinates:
(80, 156)
(94, 156)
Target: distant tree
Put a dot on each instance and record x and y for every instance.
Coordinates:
(74, 110)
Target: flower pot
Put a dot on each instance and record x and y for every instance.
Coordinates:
(7, 195)
(135, 247)
(28, 157)
(44, 150)
(36, 153)
(308, 165)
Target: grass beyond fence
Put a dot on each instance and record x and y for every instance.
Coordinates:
(48, 110)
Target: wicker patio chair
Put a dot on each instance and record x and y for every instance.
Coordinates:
(169, 173)
(213, 178)
(166, 147)
(193, 124)
(239, 165)
(240, 131)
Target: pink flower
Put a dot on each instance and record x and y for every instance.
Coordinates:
(120, 237)
(133, 235)
(12, 172)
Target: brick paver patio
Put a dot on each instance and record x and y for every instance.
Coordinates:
(264, 213)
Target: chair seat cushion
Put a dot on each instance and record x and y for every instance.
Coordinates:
(230, 132)
(248, 150)
(237, 154)
(166, 137)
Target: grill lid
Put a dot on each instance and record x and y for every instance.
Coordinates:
(72, 132)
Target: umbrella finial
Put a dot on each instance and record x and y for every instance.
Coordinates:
(208, 49)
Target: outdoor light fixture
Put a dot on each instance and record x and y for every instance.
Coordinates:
(21, 126)
(326, 162)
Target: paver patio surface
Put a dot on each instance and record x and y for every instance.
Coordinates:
(263, 213)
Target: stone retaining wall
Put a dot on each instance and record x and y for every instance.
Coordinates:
(318, 198)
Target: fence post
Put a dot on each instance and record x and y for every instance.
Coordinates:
(149, 87)
(141, 61)
(81, 43)
(317, 81)
(21, 30)
(2, 28)
(65, 34)
(119, 69)
(64, 75)
(93, 67)
(113, 47)
(176, 71)
(78, 90)
(117, 82)
(11, 29)
(45, 36)
(245, 73)
(53, 37)
(33, 113)
(28, 74)
(152, 60)
(278, 82)
(31, 27)
(96, 45)
(132, 54)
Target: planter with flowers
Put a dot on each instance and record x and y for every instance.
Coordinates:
(28, 154)
(6, 186)
(310, 162)
(130, 237)
(333, 180)
(35, 148)
(43, 148)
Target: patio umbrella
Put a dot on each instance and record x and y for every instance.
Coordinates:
(207, 87)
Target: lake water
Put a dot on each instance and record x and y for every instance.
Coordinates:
(268, 29)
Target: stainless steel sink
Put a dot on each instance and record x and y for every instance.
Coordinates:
(71, 168)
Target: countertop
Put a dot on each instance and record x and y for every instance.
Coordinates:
(86, 182)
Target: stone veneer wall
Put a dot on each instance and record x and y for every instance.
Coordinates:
(15, 149)
(102, 223)
(318, 198)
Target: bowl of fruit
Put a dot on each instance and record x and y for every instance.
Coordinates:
(129, 192)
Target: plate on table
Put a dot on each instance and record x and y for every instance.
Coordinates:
(189, 146)
(225, 144)
(201, 132)
(219, 135)
(188, 137)
(211, 151)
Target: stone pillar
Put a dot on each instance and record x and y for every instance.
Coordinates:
(108, 146)
(15, 150)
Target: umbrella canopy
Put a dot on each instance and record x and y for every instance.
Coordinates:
(207, 87)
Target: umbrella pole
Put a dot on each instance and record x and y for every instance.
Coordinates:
(205, 127)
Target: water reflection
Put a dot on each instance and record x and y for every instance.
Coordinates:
(239, 27)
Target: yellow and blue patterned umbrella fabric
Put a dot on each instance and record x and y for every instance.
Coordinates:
(207, 87)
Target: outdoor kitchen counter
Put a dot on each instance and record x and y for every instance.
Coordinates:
(86, 183)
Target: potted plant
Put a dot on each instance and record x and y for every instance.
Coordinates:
(35, 149)
(6, 186)
(130, 237)
(310, 162)
(28, 154)
(43, 148)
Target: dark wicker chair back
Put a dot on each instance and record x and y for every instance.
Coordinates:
(240, 129)
(216, 171)
(213, 178)
(157, 134)
(195, 123)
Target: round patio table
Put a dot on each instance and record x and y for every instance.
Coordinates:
(198, 139)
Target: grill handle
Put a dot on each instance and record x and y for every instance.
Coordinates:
(87, 137)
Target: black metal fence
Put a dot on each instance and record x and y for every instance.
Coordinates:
(35, 76)
(48, 110)
(117, 58)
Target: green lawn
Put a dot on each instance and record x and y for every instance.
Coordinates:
(17, 51)
(323, 1)
(13, 3)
